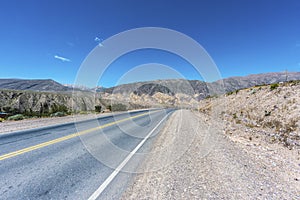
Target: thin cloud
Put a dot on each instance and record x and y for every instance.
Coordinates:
(99, 41)
(71, 44)
(62, 58)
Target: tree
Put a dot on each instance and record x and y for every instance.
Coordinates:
(98, 108)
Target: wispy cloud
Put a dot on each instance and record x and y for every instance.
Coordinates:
(99, 41)
(71, 44)
(62, 58)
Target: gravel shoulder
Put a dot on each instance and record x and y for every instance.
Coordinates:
(192, 158)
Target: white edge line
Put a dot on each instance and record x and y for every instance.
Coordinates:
(102, 187)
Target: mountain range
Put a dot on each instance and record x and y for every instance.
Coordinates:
(171, 86)
(23, 95)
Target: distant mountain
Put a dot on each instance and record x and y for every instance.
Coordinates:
(35, 85)
(43, 85)
(235, 83)
(180, 92)
(77, 87)
(151, 89)
(98, 89)
(200, 88)
(171, 86)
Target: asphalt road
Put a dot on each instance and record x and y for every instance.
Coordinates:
(77, 161)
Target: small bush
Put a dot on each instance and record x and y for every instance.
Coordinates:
(267, 113)
(229, 93)
(253, 91)
(234, 116)
(59, 108)
(1, 119)
(274, 86)
(98, 108)
(58, 114)
(118, 107)
(16, 117)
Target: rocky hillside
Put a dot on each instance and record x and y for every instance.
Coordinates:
(14, 101)
(34, 85)
(185, 93)
(270, 113)
(236, 83)
(203, 89)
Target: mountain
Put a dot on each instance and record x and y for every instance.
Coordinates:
(186, 93)
(172, 86)
(200, 88)
(169, 86)
(36, 94)
(34, 85)
(236, 83)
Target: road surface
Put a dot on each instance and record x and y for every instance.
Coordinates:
(62, 162)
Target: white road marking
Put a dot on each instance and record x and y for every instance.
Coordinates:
(102, 187)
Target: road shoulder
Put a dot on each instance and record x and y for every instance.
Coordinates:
(213, 166)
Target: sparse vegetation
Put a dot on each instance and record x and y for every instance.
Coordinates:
(117, 107)
(267, 113)
(211, 96)
(271, 114)
(234, 116)
(11, 110)
(274, 86)
(58, 114)
(98, 108)
(59, 108)
(229, 93)
(16, 117)
(253, 91)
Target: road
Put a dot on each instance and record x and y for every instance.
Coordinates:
(77, 161)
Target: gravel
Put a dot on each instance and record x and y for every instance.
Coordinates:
(192, 158)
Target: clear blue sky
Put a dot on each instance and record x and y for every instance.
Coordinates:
(242, 36)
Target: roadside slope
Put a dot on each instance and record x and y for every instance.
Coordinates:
(262, 113)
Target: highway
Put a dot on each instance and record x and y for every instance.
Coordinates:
(91, 159)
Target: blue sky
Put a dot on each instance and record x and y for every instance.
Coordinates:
(242, 36)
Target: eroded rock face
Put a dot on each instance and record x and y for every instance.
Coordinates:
(35, 101)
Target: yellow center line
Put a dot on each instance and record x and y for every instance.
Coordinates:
(44, 144)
